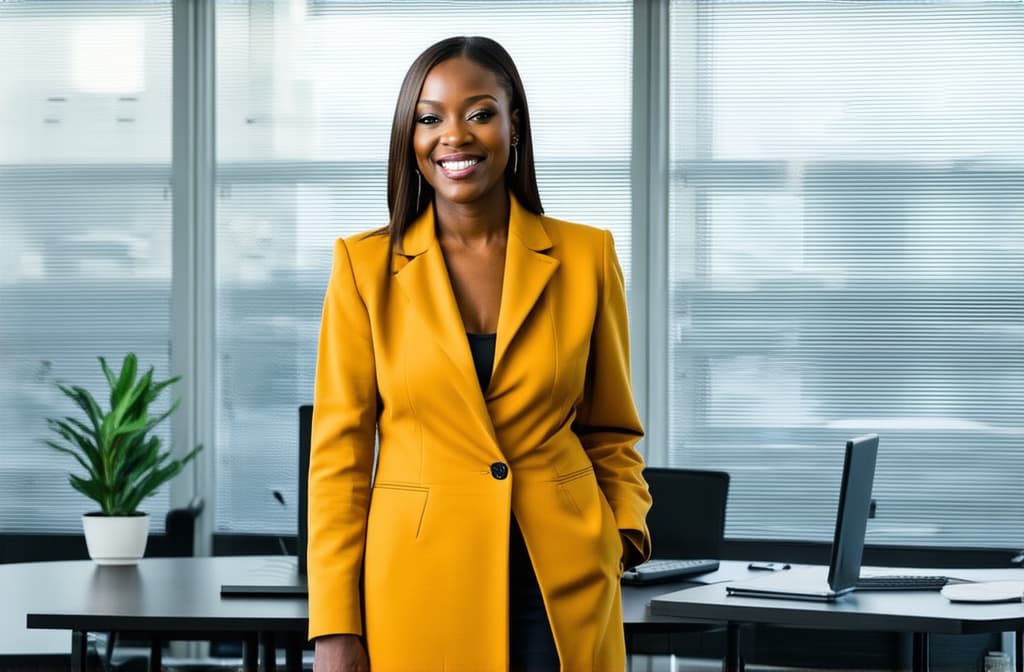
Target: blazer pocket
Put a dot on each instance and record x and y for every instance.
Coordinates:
(569, 486)
(600, 538)
(400, 507)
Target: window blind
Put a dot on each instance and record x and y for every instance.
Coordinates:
(847, 254)
(85, 229)
(306, 93)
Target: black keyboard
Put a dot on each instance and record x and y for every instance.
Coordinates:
(660, 571)
(902, 582)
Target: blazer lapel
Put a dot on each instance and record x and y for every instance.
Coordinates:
(527, 272)
(424, 279)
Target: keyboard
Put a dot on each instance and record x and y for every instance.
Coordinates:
(902, 582)
(660, 571)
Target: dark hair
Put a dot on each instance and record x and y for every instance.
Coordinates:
(402, 183)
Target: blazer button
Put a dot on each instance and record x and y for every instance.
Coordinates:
(499, 470)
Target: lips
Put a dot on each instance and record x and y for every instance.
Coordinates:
(459, 166)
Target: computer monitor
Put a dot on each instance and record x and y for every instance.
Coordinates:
(847, 543)
(852, 515)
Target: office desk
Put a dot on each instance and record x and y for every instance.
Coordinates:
(179, 598)
(160, 598)
(18, 645)
(917, 612)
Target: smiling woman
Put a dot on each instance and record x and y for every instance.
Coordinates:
(486, 345)
(465, 129)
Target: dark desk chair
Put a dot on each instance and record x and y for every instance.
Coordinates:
(687, 517)
(686, 521)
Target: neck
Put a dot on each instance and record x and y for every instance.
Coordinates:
(481, 221)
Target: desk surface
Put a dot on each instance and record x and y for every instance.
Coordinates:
(892, 611)
(178, 595)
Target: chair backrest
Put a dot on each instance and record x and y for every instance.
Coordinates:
(687, 517)
(305, 435)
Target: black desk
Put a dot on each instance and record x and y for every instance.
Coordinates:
(18, 645)
(917, 612)
(179, 598)
(161, 598)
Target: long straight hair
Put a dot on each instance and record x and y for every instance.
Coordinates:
(407, 195)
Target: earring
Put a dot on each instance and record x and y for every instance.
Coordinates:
(419, 188)
(515, 154)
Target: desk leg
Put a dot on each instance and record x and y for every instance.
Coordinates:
(1018, 653)
(920, 662)
(269, 652)
(156, 653)
(733, 660)
(79, 650)
(293, 653)
(250, 654)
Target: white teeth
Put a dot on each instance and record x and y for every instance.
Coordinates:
(459, 165)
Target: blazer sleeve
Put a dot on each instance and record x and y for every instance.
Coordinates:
(341, 455)
(607, 421)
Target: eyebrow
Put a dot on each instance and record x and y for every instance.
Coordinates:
(470, 100)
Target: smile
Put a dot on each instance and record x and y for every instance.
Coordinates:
(459, 165)
(458, 169)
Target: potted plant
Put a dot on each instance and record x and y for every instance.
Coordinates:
(121, 457)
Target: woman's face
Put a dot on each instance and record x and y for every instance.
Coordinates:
(463, 131)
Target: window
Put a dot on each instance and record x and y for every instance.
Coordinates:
(847, 248)
(306, 93)
(85, 225)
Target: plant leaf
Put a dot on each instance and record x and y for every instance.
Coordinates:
(83, 443)
(92, 490)
(126, 380)
(111, 379)
(57, 446)
(85, 401)
(157, 388)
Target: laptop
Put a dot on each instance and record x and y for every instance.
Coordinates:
(848, 543)
(278, 583)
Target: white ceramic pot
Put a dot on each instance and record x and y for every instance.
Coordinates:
(115, 540)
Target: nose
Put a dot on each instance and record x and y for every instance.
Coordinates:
(455, 133)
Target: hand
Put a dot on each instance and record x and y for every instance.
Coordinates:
(630, 557)
(340, 653)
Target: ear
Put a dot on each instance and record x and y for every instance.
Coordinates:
(515, 122)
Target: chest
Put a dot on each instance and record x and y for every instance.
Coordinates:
(476, 277)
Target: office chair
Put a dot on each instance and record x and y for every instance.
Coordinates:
(686, 521)
(687, 517)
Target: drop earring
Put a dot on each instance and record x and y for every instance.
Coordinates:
(515, 154)
(419, 188)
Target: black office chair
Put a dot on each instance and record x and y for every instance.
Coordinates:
(686, 521)
(687, 517)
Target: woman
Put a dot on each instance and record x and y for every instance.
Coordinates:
(486, 347)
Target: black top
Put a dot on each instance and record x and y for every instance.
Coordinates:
(482, 347)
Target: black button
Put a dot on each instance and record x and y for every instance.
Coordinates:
(499, 470)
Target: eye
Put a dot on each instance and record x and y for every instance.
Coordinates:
(482, 116)
(427, 119)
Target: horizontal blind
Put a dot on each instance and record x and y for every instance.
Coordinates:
(85, 229)
(306, 93)
(847, 246)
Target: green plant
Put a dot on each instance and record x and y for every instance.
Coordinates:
(121, 457)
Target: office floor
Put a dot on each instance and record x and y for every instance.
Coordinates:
(636, 664)
(674, 664)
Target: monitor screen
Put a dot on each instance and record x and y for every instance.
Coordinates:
(852, 516)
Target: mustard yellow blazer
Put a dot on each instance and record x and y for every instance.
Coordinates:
(414, 555)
